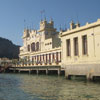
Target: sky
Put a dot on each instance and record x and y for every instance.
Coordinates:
(17, 14)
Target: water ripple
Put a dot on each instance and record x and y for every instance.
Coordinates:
(33, 87)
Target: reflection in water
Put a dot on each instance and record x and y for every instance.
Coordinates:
(32, 87)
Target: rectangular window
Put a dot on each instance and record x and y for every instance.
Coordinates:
(76, 46)
(49, 58)
(68, 47)
(84, 44)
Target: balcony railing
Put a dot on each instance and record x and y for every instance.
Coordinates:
(37, 63)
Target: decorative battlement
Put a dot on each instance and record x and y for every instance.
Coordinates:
(44, 25)
(73, 25)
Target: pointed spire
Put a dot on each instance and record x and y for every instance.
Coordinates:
(72, 25)
(51, 19)
(60, 28)
(45, 19)
(65, 27)
(72, 22)
(78, 24)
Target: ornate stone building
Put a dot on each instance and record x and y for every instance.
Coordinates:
(43, 46)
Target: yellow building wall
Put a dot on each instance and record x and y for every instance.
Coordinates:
(93, 45)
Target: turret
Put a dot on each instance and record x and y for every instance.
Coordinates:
(51, 23)
(44, 25)
(26, 33)
(72, 25)
(77, 24)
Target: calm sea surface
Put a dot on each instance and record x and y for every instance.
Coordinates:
(42, 87)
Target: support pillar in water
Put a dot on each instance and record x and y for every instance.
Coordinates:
(29, 71)
(67, 76)
(14, 70)
(46, 71)
(19, 71)
(59, 71)
(89, 77)
(37, 72)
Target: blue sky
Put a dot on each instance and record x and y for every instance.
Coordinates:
(14, 12)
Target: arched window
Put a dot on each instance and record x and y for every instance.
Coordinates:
(33, 46)
(37, 46)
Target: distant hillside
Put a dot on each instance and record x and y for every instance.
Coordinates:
(8, 49)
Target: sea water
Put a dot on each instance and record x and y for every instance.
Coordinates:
(45, 87)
